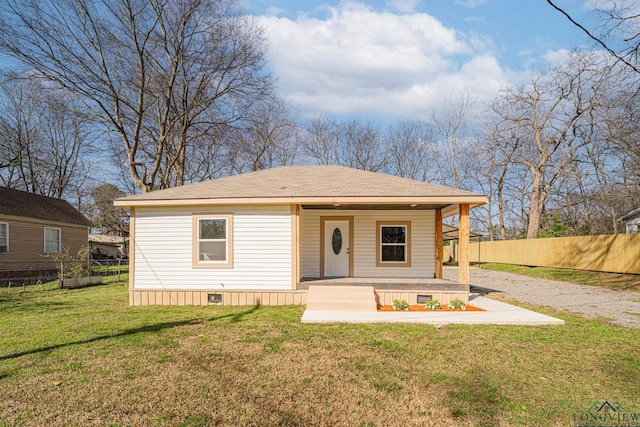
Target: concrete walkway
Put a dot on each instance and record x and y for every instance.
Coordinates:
(497, 313)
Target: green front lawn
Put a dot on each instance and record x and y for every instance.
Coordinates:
(615, 281)
(81, 357)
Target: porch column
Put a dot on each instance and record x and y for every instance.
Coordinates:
(463, 247)
(295, 246)
(439, 248)
(132, 249)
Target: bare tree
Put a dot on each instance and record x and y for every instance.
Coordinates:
(322, 141)
(270, 137)
(108, 218)
(161, 74)
(619, 26)
(546, 121)
(452, 123)
(353, 143)
(362, 146)
(411, 151)
(45, 139)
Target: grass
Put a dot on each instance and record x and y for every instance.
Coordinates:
(615, 281)
(123, 269)
(81, 357)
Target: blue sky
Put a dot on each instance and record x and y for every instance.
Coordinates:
(401, 59)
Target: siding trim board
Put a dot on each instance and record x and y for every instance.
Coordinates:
(5, 242)
(132, 248)
(295, 246)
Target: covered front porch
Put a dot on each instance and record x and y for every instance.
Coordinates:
(391, 246)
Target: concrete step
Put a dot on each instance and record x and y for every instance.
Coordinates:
(341, 298)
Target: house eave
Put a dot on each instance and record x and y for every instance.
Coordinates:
(31, 220)
(451, 202)
(630, 215)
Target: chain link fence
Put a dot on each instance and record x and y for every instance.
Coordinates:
(46, 271)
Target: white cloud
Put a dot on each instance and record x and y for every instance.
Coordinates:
(403, 5)
(358, 60)
(556, 56)
(274, 11)
(470, 3)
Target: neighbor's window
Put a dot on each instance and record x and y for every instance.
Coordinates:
(393, 244)
(213, 241)
(4, 237)
(52, 240)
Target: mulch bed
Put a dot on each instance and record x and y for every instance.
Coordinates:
(420, 307)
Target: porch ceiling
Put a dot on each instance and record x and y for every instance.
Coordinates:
(378, 207)
(388, 284)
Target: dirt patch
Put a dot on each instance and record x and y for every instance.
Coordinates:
(420, 307)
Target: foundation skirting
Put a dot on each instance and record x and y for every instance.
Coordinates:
(237, 298)
(180, 297)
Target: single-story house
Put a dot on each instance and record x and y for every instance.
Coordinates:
(103, 246)
(34, 227)
(254, 238)
(632, 221)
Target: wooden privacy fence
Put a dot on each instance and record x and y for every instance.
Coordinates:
(617, 253)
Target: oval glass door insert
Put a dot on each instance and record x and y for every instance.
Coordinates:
(336, 241)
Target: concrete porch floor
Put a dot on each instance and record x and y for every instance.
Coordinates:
(387, 284)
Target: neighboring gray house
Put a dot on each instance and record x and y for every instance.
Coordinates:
(103, 246)
(632, 220)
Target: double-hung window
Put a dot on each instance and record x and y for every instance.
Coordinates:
(213, 241)
(52, 240)
(4, 237)
(393, 244)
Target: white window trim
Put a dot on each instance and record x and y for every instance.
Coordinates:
(406, 244)
(6, 225)
(196, 262)
(59, 240)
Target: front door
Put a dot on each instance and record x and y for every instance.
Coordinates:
(336, 248)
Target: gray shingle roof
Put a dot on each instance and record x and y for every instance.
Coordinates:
(630, 215)
(298, 182)
(24, 204)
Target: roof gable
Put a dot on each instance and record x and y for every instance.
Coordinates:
(630, 215)
(29, 205)
(295, 182)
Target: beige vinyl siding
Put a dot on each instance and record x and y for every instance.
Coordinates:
(364, 250)
(261, 249)
(26, 240)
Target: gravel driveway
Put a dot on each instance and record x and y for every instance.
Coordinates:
(589, 301)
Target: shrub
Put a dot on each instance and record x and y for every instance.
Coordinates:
(433, 304)
(457, 304)
(72, 266)
(400, 304)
